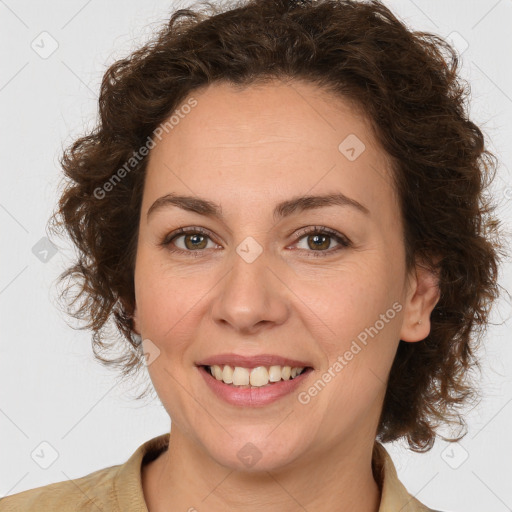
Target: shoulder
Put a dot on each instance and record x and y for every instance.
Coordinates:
(421, 507)
(91, 492)
(115, 488)
(394, 495)
(414, 505)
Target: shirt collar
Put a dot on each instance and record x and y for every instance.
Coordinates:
(394, 495)
(128, 482)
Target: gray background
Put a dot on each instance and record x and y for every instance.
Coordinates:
(51, 390)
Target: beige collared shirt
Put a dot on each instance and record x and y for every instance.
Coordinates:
(119, 488)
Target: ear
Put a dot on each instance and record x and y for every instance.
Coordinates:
(422, 295)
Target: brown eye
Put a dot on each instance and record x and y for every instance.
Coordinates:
(187, 240)
(318, 240)
(194, 241)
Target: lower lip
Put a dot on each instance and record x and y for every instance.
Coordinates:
(254, 396)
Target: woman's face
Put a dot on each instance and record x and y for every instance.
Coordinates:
(255, 281)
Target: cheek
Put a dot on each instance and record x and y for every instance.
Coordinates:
(162, 299)
(171, 299)
(350, 297)
(357, 309)
(359, 346)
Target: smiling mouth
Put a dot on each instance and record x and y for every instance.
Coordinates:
(261, 376)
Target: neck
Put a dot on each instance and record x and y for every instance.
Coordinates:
(185, 478)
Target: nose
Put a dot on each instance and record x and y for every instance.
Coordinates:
(253, 296)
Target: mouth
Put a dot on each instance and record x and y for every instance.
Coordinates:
(253, 371)
(253, 387)
(256, 377)
(250, 381)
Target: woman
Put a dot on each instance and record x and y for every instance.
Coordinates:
(282, 208)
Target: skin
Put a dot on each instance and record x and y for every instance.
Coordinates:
(247, 150)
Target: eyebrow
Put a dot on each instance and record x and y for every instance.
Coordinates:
(284, 209)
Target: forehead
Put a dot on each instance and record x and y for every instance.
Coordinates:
(277, 138)
(291, 113)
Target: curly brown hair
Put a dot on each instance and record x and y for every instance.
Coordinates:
(407, 85)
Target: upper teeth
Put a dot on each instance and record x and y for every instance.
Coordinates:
(259, 376)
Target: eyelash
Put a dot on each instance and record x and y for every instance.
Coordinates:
(314, 230)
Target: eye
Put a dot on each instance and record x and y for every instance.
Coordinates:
(319, 238)
(194, 240)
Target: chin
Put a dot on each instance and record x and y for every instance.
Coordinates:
(257, 452)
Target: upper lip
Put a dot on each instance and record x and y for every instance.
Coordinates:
(252, 361)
